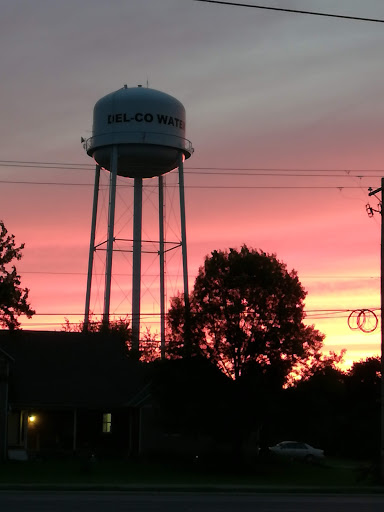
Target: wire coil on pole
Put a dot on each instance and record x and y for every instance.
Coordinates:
(365, 320)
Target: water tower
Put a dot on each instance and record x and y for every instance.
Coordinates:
(138, 133)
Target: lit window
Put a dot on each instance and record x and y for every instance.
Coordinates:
(107, 422)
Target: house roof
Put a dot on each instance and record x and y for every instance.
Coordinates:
(60, 369)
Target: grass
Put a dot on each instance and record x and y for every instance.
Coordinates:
(268, 473)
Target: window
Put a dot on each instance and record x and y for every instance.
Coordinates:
(107, 422)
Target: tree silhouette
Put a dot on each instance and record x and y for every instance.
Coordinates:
(13, 298)
(247, 315)
(363, 401)
(149, 349)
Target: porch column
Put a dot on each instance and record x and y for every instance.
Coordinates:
(4, 372)
(74, 446)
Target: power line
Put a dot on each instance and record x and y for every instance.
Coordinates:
(61, 184)
(275, 187)
(50, 167)
(313, 314)
(175, 275)
(311, 311)
(30, 162)
(215, 187)
(295, 11)
(90, 167)
(285, 174)
(287, 169)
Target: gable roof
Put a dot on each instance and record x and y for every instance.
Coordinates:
(60, 369)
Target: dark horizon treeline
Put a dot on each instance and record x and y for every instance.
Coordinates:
(339, 411)
(333, 410)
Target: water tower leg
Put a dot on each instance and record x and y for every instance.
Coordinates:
(162, 266)
(136, 271)
(91, 248)
(187, 337)
(111, 222)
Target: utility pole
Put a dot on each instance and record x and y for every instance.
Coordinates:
(372, 193)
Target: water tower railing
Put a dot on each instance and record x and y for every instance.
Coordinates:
(137, 137)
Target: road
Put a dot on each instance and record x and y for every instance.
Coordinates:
(26, 501)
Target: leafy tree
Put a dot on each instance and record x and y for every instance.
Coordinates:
(313, 409)
(149, 347)
(247, 313)
(319, 364)
(363, 401)
(336, 410)
(367, 373)
(13, 298)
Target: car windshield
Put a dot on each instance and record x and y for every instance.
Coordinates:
(293, 446)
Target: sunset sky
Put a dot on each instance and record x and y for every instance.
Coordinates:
(286, 115)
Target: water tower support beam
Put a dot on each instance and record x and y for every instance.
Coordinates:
(187, 337)
(111, 222)
(136, 262)
(91, 248)
(162, 266)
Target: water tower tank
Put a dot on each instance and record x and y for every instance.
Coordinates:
(148, 127)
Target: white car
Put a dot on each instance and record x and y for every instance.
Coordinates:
(297, 450)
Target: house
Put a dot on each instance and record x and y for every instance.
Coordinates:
(79, 394)
(70, 393)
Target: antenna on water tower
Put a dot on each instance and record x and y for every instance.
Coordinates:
(138, 133)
